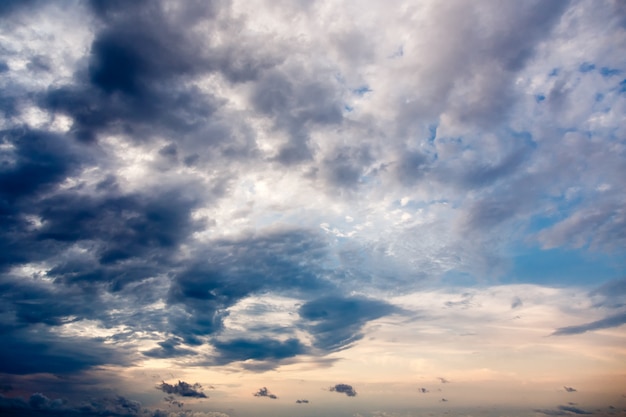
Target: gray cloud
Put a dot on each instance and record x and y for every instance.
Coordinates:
(40, 405)
(124, 155)
(344, 389)
(183, 389)
(614, 320)
(336, 322)
(264, 392)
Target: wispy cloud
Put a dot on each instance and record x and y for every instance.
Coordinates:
(605, 323)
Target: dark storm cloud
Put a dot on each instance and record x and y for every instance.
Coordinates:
(183, 389)
(34, 164)
(39, 405)
(264, 392)
(614, 320)
(258, 349)
(136, 80)
(283, 261)
(344, 389)
(39, 351)
(336, 322)
(169, 349)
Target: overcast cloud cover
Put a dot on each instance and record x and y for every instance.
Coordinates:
(299, 195)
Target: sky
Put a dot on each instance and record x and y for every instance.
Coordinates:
(256, 208)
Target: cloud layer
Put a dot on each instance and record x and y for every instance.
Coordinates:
(250, 185)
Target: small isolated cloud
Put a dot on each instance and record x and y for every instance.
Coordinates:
(264, 392)
(183, 389)
(569, 389)
(302, 401)
(344, 389)
(422, 390)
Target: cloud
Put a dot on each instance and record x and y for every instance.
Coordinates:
(183, 389)
(161, 163)
(614, 320)
(261, 349)
(564, 410)
(170, 399)
(344, 389)
(263, 392)
(574, 410)
(335, 321)
(40, 405)
(169, 349)
(610, 294)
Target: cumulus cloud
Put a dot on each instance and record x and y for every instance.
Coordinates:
(344, 389)
(264, 392)
(183, 389)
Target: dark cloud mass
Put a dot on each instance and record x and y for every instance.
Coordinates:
(344, 389)
(39, 405)
(183, 389)
(336, 322)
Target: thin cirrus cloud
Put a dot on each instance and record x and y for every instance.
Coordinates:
(249, 187)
